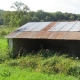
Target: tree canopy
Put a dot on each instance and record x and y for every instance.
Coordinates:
(23, 14)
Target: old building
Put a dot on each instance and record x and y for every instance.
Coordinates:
(58, 36)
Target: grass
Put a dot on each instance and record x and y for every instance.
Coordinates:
(3, 50)
(40, 66)
(50, 65)
(17, 73)
(3, 44)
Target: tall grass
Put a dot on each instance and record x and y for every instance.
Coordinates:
(42, 65)
(4, 51)
(50, 65)
(17, 73)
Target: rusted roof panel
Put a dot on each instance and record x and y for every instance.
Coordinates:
(48, 35)
(59, 35)
(78, 36)
(49, 26)
(26, 34)
(13, 34)
(22, 34)
(48, 30)
(31, 34)
(38, 35)
(68, 26)
(43, 31)
(70, 35)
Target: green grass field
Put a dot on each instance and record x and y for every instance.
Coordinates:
(37, 66)
(3, 44)
(17, 73)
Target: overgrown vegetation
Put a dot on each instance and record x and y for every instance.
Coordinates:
(40, 67)
(44, 64)
(17, 73)
(57, 64)
(4, 30)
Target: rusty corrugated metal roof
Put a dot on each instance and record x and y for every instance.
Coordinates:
(48, 30)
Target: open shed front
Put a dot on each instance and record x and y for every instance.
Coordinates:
(29, 45)
(57, 36)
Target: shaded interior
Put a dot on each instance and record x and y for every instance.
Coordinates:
(29, 45)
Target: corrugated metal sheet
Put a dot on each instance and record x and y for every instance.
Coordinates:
(26, 34)
(43, 31)
(48, 30)
(11, 35)
(38, 34)
(49, 26)
(30, 28)
(71, 35)
(68, 26)
(42, 26)
(58, 27)
(26, 26)
(76, 27)
(48, 35)
(34, 26)
(59, 35)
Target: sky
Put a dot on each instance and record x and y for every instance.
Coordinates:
(70, 6)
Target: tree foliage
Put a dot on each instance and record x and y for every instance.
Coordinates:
(1, 19)
(17, 17)
(19, 6)
(22, 15)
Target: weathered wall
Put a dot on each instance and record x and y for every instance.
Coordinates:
(10, 43)
(29, 45)
(68, 46)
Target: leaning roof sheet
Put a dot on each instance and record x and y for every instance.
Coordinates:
(48, 30)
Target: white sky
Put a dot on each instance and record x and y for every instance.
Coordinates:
(70, 6)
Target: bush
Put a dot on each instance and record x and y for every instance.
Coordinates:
(50, 64)
(74, 71)
(29, 63)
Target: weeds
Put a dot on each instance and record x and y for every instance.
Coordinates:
(17, 73)
(3, 50)
(43, 63)
(50, 65)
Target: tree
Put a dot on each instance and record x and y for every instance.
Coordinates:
(1, 19)
(6, 17)
(19, 16)
(71, 17)
(58, 15)
(19, 6)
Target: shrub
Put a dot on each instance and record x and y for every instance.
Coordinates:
(74, 71)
